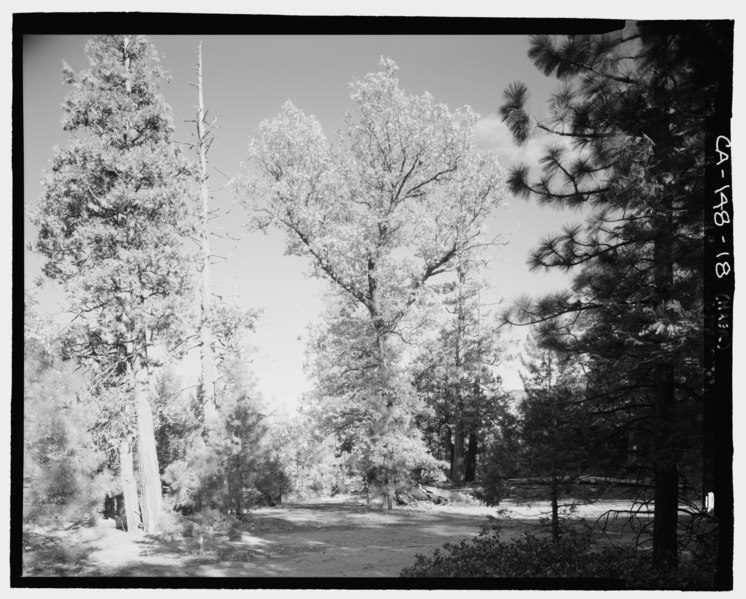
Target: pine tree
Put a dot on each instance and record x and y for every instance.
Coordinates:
(628, 129)
(112, 220)
(554, 426)
(453, 371)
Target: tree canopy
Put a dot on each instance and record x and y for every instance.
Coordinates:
(395, 202)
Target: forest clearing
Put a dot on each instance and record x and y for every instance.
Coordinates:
(338, 537)
(404, 338)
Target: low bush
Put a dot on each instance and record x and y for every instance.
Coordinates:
(64, 474)
(57, 558)
(574, 556)
(172, 525)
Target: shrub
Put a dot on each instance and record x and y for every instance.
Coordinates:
(574, 556)
(172, 525)
(63, 471)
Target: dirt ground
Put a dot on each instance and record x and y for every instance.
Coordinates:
(336, 537)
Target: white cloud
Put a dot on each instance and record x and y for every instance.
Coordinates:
(492, 134)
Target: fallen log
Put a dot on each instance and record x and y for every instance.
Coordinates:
(588, 480)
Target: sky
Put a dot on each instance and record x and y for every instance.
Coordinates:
(246, 80)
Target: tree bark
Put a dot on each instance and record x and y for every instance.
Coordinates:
(457, 465)
(388, 408)
(457, 468)
(470, 473)
(238, 490)
(449, 447)
(631, 449)
(665, 546)
(129, 487)
(384, 375)
(150, 478)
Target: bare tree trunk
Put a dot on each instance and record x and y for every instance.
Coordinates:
(129, 487)
(555, 509)
(631, 449)
(384, 375)
(457, 471)
(470, 472)
(150, 478)
(388, 404)
(665, 545)
(457, 468)
(207, 360)
(387, 483)
(449, 446)
(239, 490)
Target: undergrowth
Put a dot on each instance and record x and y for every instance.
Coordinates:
(576, 555)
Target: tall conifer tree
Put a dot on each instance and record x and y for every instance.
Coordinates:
(628, 130)
(112, 220)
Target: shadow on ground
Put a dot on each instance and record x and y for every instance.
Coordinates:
(309, 540)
